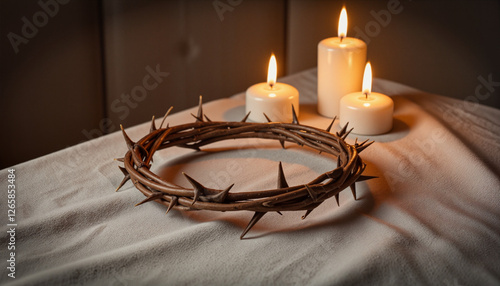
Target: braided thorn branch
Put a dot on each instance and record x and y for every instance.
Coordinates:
(306, 197)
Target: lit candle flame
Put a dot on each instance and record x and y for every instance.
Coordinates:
(272, 71)
(342, 30)
(367, 80)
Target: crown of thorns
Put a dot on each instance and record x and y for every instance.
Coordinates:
(137, 163)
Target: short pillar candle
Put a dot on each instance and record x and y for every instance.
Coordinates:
(275, 99)
(368, 113)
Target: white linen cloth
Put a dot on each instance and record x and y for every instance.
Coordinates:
(431, 218)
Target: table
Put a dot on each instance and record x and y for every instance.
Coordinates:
(431, 218)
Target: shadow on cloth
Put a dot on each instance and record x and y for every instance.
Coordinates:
(326, 215)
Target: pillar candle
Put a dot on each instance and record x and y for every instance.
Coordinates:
(340, 68)
(275, 99)
(368, 113)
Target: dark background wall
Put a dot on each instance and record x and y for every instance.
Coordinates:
(72, 70)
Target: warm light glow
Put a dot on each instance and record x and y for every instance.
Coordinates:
(367, 80)
(272, 71)
(272, 95)
(342, 32)
(366, 104)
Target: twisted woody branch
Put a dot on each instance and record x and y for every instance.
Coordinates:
(306, 197)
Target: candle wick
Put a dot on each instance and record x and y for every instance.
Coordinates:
(366, 94)
(271, 85)
(342, 37)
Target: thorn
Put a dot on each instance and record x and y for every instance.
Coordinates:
(173, 202)
(196, 148)
(362, 143)
(246, 117)
(279, 212)
(347, 134)
(165, 116)
(124, 171)
(198, 119)
(295, 119)
(256, 217)
(125, 179)
(199, 116)
(337, 199)
(220, 197)
(342, 132)
(281, 178)
(360, 148)
(331, 124)
(206, 117)
(199, 189)
(311, 192)
(120, 159)
(268, 120)
(365, 178)
(282, 142)
(153, 127)
(130, 143)
(353, 190)
(306, 214)
(152, 197)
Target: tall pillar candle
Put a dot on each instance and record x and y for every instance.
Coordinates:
(341, 62)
